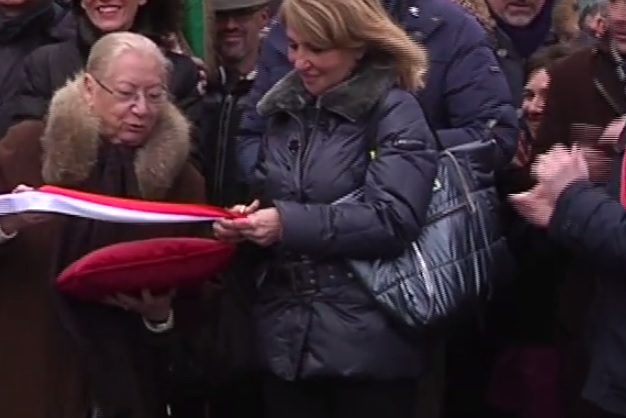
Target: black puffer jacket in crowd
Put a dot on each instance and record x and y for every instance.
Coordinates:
(47, 24)
(222, 115)
(314, 319)
(49, 68)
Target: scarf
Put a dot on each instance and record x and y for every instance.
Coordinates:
(528, 39)
(105, 338)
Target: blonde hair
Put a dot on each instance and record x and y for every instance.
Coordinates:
(108, 48)
(343, 24)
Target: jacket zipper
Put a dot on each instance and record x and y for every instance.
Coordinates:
(606, 96)
(222, 146)
(303, 151)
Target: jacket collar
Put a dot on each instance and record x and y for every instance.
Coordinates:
(350, 99)
(64, 27)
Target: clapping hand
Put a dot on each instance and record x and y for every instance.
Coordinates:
(554, 171)
(612, 132)
(534, 205)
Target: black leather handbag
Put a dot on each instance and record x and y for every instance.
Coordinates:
(461, 252)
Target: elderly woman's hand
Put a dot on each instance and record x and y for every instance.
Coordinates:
(12, 224)
(154, 308)
(263, 227)
(227, 230)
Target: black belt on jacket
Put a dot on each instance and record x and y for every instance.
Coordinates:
(308, 276)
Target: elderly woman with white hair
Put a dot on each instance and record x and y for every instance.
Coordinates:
(111, 130)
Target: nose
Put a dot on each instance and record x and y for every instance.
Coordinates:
(535, 107)
(301, 64)
(230, 23)
(140, 105)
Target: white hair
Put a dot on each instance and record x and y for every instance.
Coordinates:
(108, 48)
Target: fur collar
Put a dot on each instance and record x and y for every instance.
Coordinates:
(71, 140)
(350, 99)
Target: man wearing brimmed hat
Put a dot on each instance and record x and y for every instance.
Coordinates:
(238, 24)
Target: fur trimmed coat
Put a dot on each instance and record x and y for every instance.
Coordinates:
(39, 376)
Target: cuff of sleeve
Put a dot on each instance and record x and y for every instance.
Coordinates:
(299, 231)
(160, 328)
(4, 237)
(562, 226)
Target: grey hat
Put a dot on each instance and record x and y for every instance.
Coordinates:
(228, 5)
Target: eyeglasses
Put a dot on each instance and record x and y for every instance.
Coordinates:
(155, 95)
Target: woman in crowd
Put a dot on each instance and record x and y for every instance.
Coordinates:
(523, 339)
(327, 349)
(49, 67)
(111, 130)
(534, 98)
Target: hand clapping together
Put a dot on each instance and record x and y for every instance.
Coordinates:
(554, 171)
(261, 226)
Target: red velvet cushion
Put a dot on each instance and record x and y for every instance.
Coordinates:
(157, 264)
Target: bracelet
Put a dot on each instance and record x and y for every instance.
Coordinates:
(4, 237)
(160, 327)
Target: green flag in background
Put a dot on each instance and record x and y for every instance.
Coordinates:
(194, 27)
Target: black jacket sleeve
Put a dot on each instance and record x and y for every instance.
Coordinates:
(592, 224)
(397, 192)
(36, 90)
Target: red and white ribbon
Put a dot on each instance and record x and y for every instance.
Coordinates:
(59, 200)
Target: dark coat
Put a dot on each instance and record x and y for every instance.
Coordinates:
(466, 97)
(591, 223)
(46, 26)
(50, 67)
(40, 376)
(591, 95)
(222, 115)
(314, 318)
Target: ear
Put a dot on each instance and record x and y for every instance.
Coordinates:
(142, 2)
(82, 4)
(89, 90)
(359, 53)
(265, 16)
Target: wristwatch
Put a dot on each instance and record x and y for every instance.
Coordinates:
(160, 327)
